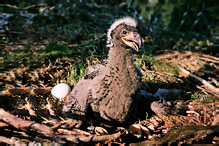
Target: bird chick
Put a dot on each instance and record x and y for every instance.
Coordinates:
(108, 91)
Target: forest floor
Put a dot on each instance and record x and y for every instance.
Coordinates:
(29, 113)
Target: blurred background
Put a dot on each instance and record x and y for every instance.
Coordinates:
(36, 33)
(76, 21)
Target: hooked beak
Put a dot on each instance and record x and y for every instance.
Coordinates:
(133, 40)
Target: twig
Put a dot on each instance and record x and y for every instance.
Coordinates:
(204, 110)
(204, 82)
(56, 126)
(206, 56)
(41, 91)
(206, 91)
(107, 137)
(93, 138)
(17, 91)
(99, 138)
(72, 125)
(74, 131)
(176, 53)
(209, 60)
(202, 89)
(6, 140)
(23, 124)
(215, 113)
(3, 124)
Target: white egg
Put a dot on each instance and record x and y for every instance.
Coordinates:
(61, 91)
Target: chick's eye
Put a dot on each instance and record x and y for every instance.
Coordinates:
(124, 32)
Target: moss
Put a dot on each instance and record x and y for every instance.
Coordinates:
(200, 97)
(79, 69)
(77, 72)
(148, 62)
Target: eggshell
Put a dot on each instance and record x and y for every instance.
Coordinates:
(61, 91)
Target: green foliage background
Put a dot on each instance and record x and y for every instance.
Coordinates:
(77, 28)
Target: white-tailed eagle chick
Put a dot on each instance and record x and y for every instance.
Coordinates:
(108, 91)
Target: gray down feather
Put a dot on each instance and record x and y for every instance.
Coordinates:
(108, 91)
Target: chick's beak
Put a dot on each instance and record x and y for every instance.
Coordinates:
(133, 40)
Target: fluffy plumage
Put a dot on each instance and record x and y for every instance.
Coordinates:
(127, 20)
(108, 91)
